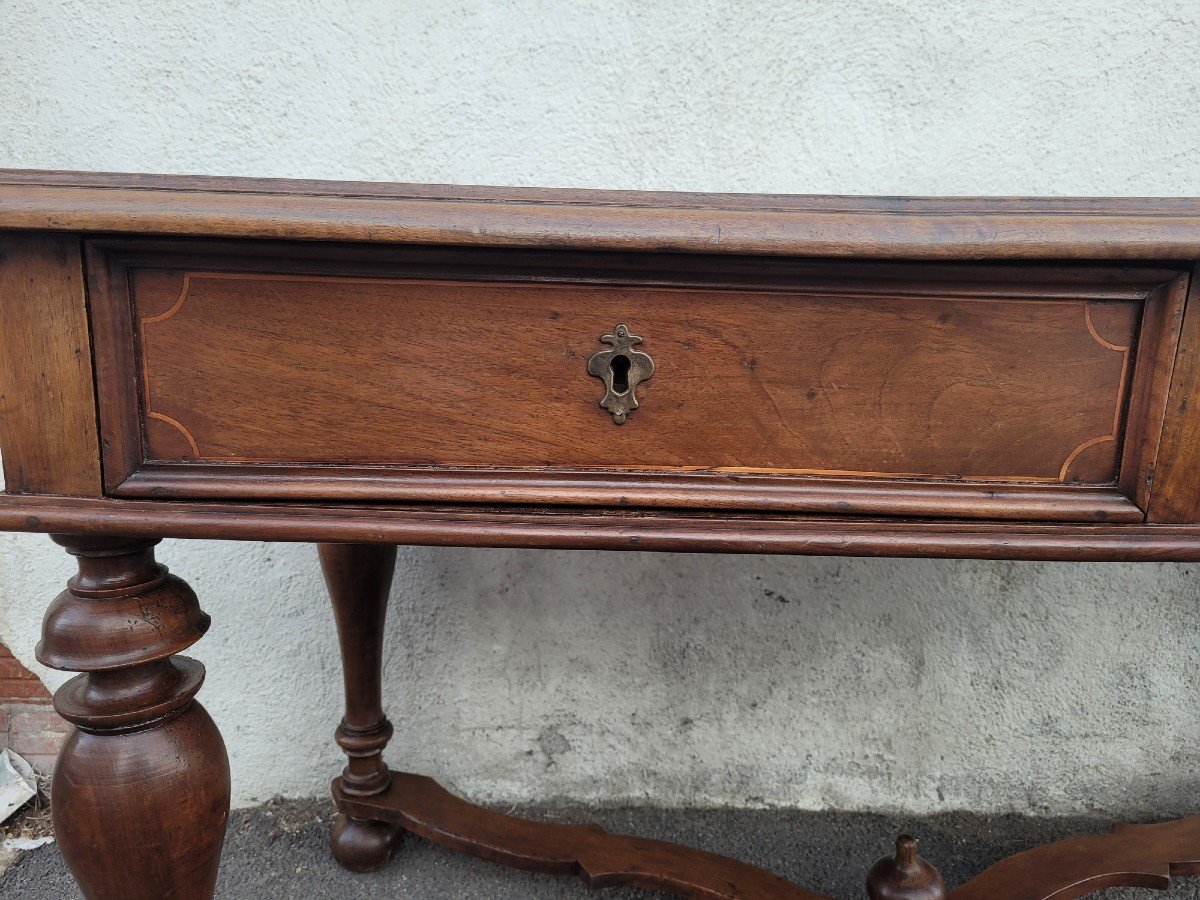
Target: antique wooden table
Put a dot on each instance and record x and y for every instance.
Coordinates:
(365, 365)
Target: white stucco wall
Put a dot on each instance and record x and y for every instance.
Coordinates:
(921, 685)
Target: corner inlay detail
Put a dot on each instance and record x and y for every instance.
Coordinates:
(1121, 389)
(620, 404)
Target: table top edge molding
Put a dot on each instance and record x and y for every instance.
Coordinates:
(917, 228)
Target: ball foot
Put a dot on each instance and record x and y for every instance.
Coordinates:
(362, 845)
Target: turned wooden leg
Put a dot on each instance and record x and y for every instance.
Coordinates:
(141, 791)
(905, 876)
(359, 577)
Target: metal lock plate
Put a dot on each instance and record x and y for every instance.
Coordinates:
(622, 369)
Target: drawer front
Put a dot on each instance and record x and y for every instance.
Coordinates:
(392, 377)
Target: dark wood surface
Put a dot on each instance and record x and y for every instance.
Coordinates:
(558, 528)
(589, 852)
(1152, 375)
(366, 365)
(359, 578)
(905, 875)
(467, 374)
(855, 227)
(545, 528)
(141, 788)
(1131, 855)
(1176, 495)
(47, 402)
(691, 490)
(807, 387)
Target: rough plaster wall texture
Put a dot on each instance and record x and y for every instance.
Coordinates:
(515, 676)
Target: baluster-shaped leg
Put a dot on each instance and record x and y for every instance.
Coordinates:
(359, 577)
(141, 790)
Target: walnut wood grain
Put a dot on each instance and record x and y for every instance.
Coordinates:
(912, 228)
(905, 875)
(469, 374)
(47, 400)
(564, 528)
(694, 490)
(141, 787)
(749, 395)
(600, 859)
(1160, 328)
(359, 579)
(1132, 855)
(1176, 486)
(118, 386)
(367, 365)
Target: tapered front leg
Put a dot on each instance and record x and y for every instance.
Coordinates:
(140, 795)
(359, 577)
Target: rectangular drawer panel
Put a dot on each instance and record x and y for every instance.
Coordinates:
(872, 378)
(312, 369)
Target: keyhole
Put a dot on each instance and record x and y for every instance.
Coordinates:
(620, 370)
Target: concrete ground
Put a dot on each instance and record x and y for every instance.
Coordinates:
(279, 851)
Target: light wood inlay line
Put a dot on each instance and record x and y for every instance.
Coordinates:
(1121, 388)
(187, 434)
(189, 277)
(187, 285)
(1104, 438)
(1087, 318)
(151, 320)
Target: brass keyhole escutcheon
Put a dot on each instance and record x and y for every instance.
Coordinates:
(622, 369)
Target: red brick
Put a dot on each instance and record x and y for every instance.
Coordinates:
(11, 668)
(36, 732)
(28, 724)
(27, 715)
(43, 744)
(17, 682)
(19, 690)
